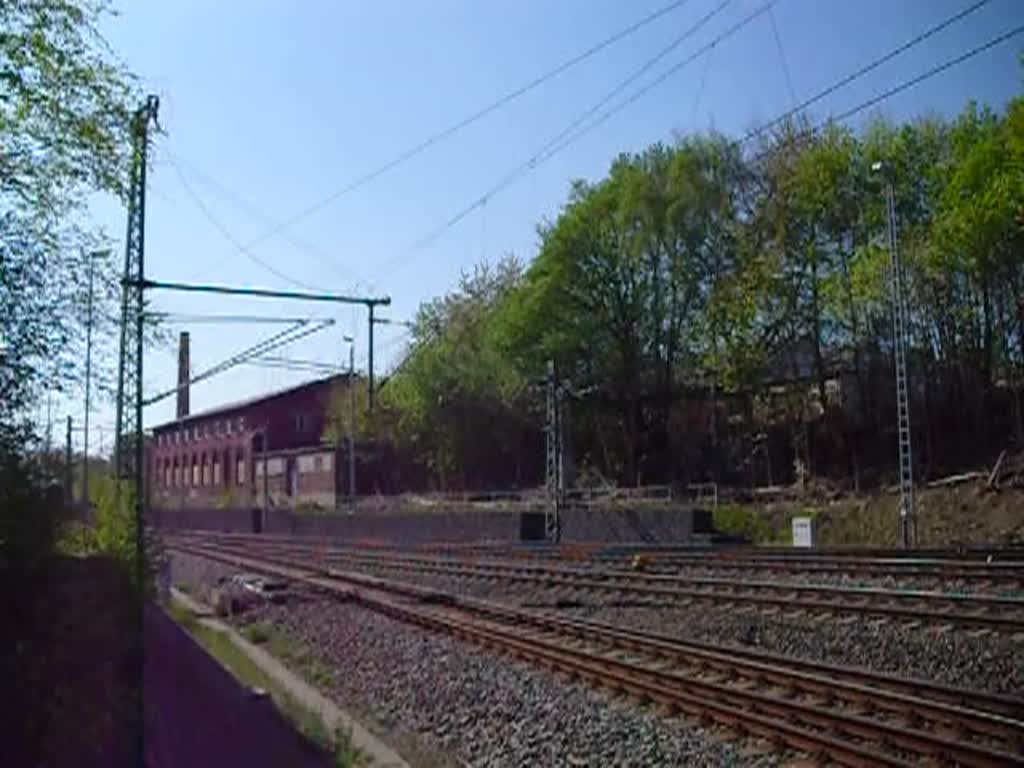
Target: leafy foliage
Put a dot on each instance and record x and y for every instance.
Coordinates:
(64, 115)
(731, 313)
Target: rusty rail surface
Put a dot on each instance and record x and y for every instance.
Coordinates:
(995, 566)
(964, 610)
(973, 554)
(852, 716)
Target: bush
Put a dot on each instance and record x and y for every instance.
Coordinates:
(742, 521)
(115, 532)
(76, 539)
(115, 520)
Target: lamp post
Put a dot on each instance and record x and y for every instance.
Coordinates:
(351, 421)
(908, 521)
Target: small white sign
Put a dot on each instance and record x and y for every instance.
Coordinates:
(803, 532)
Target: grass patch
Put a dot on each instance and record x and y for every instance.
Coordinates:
(308, 721)
(219, 645)
(257, 633)
(290, 652)
(300, 659)
(183, 616)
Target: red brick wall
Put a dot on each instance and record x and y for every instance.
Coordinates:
(292, 420)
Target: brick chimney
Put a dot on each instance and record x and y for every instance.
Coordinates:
(184, 368)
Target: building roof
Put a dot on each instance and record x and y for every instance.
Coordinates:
(238, 405)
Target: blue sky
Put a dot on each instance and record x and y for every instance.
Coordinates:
(268, 107)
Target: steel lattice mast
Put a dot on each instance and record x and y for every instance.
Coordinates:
(129, 442)
(908, 512)
(129, 446)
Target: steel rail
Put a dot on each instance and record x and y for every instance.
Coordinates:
(954, 609)
(968, 555)
(772, 714)
(998, 704)
(1010, 570)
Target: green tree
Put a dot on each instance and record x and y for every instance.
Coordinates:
(64, 113)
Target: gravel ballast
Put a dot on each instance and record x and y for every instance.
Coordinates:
(979, 660)
(483, 708)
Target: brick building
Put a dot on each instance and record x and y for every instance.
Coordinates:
(269, 450)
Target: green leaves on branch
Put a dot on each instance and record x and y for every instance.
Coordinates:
(65, 106)
(696, 271)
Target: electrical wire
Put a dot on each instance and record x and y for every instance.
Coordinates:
(297, 368)
(254, 319)
(302, 366)
(782, 57)
(869, 67)
(308, 363)
(938, 69)
(255, 212)
(287, 336)
(543, 155)
(465, 122)
(566, 137)
(905, 85)
(700, 88)
(239, 246)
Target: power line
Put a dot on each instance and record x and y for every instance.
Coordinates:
(636, 75)
(665, 75)
(296, 361)
(288, 363)
(175, 317)
(255, 212)
(465, 122)
(543, 156)
(239, 246)
(782, 57)
(280, 339)
(294, 367)
(905, 85)
(565, 137)
(700, 89)
(870, 67)
(938, 69)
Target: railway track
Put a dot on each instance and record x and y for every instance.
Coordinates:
(850, 716)
(989, 568)
(978, 555)
(1004, 614)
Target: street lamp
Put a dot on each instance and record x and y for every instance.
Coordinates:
(908, 522)
(351, 420)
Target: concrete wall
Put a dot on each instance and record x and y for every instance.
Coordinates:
(650, 526)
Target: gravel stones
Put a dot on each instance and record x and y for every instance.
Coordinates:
(979, 660)
(487, 709)
(490, 710)
(484, 709)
